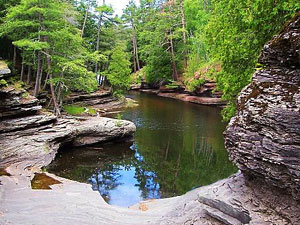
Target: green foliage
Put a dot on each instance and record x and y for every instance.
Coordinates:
(3, 83)
(119, 120)
(119, 68)
(136, 78)
(119, 94)
(194, 84)
(172, 85)
(25, 95)
(236, 34)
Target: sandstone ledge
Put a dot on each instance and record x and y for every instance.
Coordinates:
(38, 145)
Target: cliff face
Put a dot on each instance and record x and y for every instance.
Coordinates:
(263, 139)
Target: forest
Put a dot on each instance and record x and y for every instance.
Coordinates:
(60, 46)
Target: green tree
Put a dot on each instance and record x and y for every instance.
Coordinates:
(46, 29)
(119, 68)
(236, 33)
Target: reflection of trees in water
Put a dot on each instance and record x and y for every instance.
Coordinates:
(181, 167)
(107, 178)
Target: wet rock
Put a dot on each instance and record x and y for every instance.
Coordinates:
(42, 181)
(263, 139)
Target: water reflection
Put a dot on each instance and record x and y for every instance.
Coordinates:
(178, 146)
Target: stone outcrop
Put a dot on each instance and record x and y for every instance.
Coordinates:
(17, 103)
(263, 139)
(4, 70)
(101, 100)
(29, 136)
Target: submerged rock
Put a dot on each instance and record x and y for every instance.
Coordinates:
(263, 139)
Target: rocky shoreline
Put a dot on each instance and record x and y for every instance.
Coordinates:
(204, 95)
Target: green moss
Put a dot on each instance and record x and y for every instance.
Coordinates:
(74, 110)
(46, 148)
(92, 111)
(25, 95)
(3, 83)
(118, 123)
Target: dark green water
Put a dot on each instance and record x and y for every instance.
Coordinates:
(177, 146)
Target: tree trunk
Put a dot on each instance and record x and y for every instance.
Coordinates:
(183, 22)
(15, 57)
(22, 70)
(46, 79)
(98, 40)
(28, 75)
(38, 74)
(98, 37)
(134, 55)
(85, 18)
(54, 101)
(56, 107)
(41, 76)
(174, 69)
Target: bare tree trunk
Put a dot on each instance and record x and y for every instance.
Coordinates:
(56, 107)
(41, 76)
(134, 55)
(22, 70)
(85, 18)
(38, 74)
(174, 69)
(15, 56)
(46, 80)
(183, 22)
(28, 75)
(98, 37)
(54, 101)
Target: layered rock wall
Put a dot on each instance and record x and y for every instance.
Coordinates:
(30, 136)
(263, 139)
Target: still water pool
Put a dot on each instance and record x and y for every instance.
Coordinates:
(177, 146)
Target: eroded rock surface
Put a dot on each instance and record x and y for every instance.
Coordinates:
(31, 137)
(263, 139)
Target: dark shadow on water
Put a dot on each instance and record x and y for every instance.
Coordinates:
(178, 146)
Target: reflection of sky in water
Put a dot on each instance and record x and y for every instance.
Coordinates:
(177, 146)
(120, 186)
